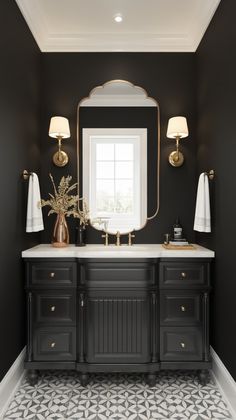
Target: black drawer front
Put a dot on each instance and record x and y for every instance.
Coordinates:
(183, 274)
(118, 274)
(180, 343)
(181, 307)
(54, 344)
(51, 274)
(54, 307)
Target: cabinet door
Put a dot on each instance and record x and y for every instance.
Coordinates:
(118, 327)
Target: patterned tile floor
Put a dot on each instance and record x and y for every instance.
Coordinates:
(177, 395)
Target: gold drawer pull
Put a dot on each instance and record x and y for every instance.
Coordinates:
(53, 308)
(182, 345)
(52, 275)
(52, 345)
(183, 309)
(183, 275)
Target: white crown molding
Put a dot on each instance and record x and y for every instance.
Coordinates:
(202, 24)
(11, 382)
(35, 20)
(225, 382)
(123, 42)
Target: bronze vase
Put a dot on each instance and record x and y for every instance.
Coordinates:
(60, 236)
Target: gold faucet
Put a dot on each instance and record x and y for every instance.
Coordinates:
(106, 236)
(117, 238)
(130, 236)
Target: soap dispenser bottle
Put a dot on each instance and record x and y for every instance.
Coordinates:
(177, 230)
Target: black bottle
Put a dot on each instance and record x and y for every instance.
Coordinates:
(177, 230)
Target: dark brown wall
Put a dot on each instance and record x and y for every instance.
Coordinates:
(216, 60)
(169, 78)
(19, 112)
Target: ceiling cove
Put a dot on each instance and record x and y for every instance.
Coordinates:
(90, 26)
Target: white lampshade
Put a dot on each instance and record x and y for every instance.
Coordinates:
(177, 127)
(59, 127)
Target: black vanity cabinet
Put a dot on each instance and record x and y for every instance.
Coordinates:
(117, 315)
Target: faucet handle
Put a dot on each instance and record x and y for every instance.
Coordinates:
(118, 238)
(130, 236)
(106, 243)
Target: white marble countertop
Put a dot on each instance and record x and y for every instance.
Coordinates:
(112, 251)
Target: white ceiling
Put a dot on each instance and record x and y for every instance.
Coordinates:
(88, 25)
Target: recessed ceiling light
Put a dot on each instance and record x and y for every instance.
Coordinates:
(118, 18)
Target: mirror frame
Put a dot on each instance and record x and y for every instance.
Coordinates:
(158, 147)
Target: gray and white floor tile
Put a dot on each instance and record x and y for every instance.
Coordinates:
(59, 395)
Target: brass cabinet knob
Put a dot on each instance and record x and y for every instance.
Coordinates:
(183, 309)
(52, 345)
(182, 345)
(52, 275)
(183, 275)
(53, 308)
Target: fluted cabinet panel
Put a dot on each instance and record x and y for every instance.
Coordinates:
(117, 329)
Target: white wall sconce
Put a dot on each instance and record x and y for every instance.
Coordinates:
(59, 129)
(177, 129)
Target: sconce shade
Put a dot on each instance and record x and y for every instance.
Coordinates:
(59, 127)
(177, 127)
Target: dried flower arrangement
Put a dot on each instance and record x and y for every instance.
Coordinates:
(63, 203)
(81, 214)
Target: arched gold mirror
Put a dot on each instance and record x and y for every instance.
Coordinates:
(118, 155)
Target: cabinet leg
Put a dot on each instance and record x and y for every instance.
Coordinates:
(84, 379)
(32, 376)
(151, 379)
(203, 377)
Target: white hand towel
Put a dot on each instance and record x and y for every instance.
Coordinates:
(202, 221)
(34, 220)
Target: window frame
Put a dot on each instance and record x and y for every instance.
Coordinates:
(136, 136)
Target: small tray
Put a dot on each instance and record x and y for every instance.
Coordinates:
(180, 247)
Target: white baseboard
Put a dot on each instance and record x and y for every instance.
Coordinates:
(225, 382)
(11, 382)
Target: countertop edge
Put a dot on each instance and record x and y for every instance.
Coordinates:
(99, 251)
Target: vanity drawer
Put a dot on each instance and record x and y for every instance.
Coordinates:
(180, 343)
(54, 344)
(54, 307)
(184, 274)
(181, 307)
(51, 274)
(118, 273)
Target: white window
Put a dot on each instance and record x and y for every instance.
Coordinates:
(115, 177)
